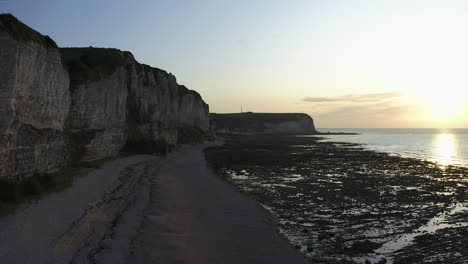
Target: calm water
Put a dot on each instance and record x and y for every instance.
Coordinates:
(445, 146)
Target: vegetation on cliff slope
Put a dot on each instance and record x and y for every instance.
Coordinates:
(22, 32)
(87, 65)
(185, 91)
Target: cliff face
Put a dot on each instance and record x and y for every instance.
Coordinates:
(100, 107)
(60, 106)
(125, 103)
(161, 106)
(34, 102)
(262, 123)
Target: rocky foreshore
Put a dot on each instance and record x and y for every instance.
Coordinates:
(340, 203)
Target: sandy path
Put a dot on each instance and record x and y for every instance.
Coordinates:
(196, 217)
(145, 209)
(37, 232)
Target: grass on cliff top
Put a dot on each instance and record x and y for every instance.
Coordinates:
(251, 120)
(185, 91)
(87, 65)
(21, 32)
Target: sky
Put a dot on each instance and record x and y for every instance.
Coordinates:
(347, 63)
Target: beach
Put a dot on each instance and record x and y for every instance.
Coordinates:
(254, 199)
(146, 209)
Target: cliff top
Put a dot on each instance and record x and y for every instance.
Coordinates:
(21, 32)
(85, 65)
(184, 90)
(91, 64)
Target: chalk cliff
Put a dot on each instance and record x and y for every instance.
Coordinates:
(247, 123)
(60, 106)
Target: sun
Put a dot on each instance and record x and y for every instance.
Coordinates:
(444, 104)
(441, 93)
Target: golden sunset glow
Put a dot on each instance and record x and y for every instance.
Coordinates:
(444, 105)
(444, 148)
(432, 68)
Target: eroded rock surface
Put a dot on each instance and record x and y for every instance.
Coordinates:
(34, 102)
(61, 106)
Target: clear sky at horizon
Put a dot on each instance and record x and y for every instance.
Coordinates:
(347, 63)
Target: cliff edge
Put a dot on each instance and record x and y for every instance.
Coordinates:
(59, 106)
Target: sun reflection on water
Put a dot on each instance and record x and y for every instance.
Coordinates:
(444, 147)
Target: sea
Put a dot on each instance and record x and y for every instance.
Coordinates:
(444, 146)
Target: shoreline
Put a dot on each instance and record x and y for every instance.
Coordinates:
(297, 133)
(444, 148)
(410, 196)
(396, 154)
